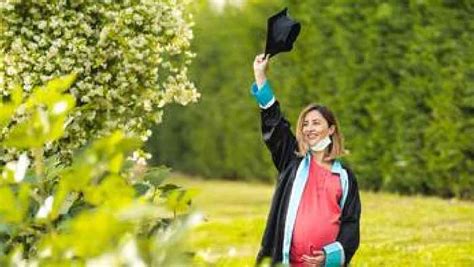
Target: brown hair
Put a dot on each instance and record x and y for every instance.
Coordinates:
(336, 148)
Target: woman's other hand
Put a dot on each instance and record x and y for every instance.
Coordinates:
(315, 260)
(260, 66)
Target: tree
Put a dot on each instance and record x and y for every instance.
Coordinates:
(130, 58)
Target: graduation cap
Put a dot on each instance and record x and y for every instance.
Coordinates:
(282, 32)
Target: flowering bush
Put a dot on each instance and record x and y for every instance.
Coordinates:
(130, 58)
(49, 214)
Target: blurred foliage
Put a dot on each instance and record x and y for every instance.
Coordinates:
(399, 75)
(103, 209)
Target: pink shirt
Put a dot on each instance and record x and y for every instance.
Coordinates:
(317, 221)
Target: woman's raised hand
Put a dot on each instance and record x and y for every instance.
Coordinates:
(260, 66)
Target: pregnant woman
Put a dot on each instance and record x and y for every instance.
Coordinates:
(315, 212)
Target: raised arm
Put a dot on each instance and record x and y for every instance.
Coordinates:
(276, 129)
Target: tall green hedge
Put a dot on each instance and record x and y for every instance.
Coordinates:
(398, 74)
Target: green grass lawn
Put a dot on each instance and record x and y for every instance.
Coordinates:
(395, 230)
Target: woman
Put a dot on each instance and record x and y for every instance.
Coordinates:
(315, 212)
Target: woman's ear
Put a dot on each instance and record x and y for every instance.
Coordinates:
(332, 129)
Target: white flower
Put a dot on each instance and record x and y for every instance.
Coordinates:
(147, 105)
(195, 219)
(42, 25)
(10, 168)
(45, 253)
(148, 155)
(59, 107)
(21, 167)
(135, 155)
(141, 161)
(11, 71)
(18, 260)
(46, 208)
(129, 253)
(69, 254)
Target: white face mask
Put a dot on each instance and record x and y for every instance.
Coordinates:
(321, 145)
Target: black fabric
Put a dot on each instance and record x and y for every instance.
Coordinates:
(282, 144)
(282, 32)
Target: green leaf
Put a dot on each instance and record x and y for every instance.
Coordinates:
(17, 95)
(6, 113)
(61, 84)
(141, 188)
(167, 188)
(5, 229)
(179, 201)
(9, 211)
(116, 162)
(157, 175)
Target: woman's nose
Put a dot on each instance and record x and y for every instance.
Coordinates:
(311, 129)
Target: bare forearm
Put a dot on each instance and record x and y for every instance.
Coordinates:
(260, 66)
(260, 79)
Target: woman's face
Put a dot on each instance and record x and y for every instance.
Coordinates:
(315, 127)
